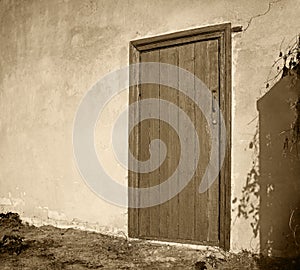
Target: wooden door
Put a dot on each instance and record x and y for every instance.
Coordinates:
(189, 216)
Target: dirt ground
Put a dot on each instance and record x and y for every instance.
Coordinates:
(28, 247)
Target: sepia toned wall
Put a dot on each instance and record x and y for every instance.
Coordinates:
(52, 52)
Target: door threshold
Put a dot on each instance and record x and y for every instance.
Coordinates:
(200, 247)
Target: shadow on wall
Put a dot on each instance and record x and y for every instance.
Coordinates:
(279, 169)
(271, 195)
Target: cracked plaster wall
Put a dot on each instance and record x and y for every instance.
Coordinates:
(52, 52)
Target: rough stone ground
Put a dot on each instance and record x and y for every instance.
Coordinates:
(28, 247)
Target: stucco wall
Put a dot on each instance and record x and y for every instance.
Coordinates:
(52, 52)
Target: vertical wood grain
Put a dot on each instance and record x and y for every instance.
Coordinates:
(169, 209)
(154, 131)
(133, 224)
(213, 192)
(201, 200)
(186, 206)
(147, 91)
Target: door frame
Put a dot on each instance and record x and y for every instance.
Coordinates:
(136, 47)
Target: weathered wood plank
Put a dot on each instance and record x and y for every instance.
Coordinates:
(154, 134)
(225, 106)
(144, 153)
(178, 42)
(133, 223)
(186, 206)
(205, 32)
(201, 200)
(169, 210)
(213, 192)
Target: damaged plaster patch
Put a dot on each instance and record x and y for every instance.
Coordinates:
(261, 14)
(14, 202)
(11, 204)
(43, 216)
(5, 201)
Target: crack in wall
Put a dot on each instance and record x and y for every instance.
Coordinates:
(262, 14)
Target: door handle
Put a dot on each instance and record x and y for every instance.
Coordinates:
(213, 106)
